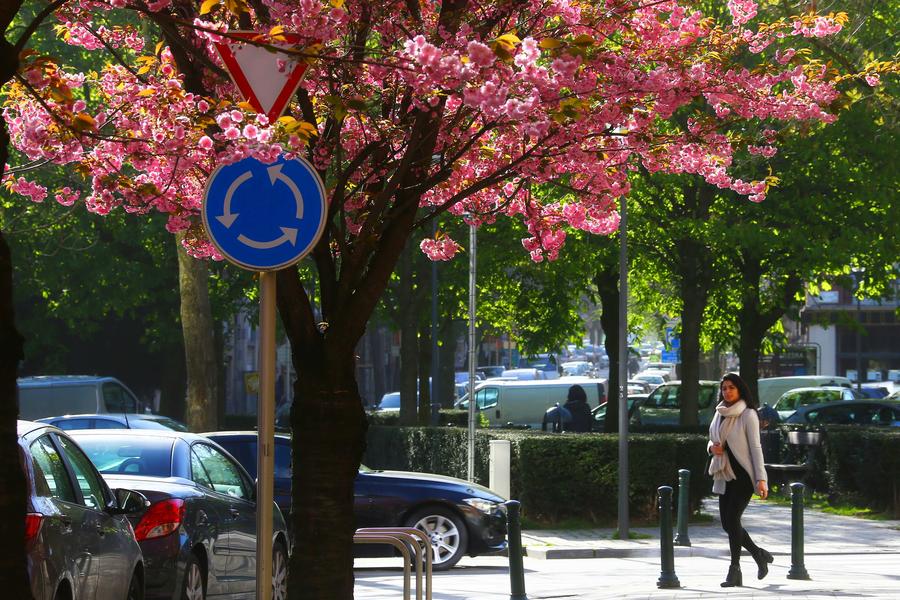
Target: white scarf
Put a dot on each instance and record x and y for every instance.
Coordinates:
(725, 419)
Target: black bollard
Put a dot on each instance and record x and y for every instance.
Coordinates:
(667, 578)
(798, 569)
(684, 509)
(514, 535)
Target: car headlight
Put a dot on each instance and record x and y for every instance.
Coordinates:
(482, 505)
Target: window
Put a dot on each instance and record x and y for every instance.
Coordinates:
(108, 424)
(245, 453)
(665, 397)
(117, 399)
(123, 454)
(68, 424)
(198, 472)
(486, 398)
(708, 395)
(52, 470)
(88, 479)
(224, 475)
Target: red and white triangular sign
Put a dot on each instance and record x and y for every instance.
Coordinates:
(255, 71)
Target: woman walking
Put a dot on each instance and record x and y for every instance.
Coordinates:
(737, 468)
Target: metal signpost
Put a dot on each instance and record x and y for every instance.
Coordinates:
(264, 217)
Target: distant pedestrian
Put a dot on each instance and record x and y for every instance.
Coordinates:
(577, 405)
(736, 455)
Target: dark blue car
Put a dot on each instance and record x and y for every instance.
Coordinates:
(198, 536)
(461, 518)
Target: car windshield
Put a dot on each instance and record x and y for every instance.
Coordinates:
(123, 454)
(391, 400)
(157, 423)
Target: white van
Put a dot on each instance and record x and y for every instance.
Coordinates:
(54, 396)
(525, 402)
(770, 389)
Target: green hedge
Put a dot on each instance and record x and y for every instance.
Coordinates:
(446, 417)
(862, 467)
(556, 476)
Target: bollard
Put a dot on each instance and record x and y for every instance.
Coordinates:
(667, 578)
(684, 508)
(798, 569)
(514, 535)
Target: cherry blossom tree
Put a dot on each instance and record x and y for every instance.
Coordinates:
(410, 110)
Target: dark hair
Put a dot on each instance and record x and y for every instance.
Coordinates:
(743, 390)
(576, 394)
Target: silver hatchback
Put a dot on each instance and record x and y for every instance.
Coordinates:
(79, 543)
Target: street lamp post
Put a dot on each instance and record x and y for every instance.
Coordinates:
(472, 265)
(623, 371)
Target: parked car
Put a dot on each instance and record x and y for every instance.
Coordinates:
(663, 405)
(653, 378)
(807, 396)
(577, 368)
(198, 535)
(599, 412)
(641, 386)
(524, 374)
(78, 541)
(770, 389)
(123, 421)
(546, 363)
(666, 367)
(460, 517)
(390, 402)
(524, 403)
(491, 371)
(52, 395)
(849, 412)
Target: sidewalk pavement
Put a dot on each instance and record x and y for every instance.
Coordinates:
(845, 557)
(769, 525)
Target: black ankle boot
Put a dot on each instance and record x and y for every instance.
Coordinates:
(734, 577)
(762, 558)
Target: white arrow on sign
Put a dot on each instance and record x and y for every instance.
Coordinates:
(228, 217)
(275, 174)
(289, 234)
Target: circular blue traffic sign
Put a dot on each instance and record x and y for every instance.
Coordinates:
(265, 216)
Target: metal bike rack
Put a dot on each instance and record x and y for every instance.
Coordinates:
(414, 537)
(394, 540)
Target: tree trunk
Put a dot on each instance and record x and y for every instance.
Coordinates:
(409, 344)
(328, 458)
(199, 342)
(425, 383)
(448, 333)
(12, 480)
(607, 282)
(694, 297)
(13, 569)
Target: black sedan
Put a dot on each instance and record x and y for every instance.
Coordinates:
(884, 413)
(460, 517)
(78, 541)
(199, 534)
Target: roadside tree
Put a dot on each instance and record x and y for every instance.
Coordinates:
(448, 108)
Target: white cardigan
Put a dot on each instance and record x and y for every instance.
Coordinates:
(743, 440)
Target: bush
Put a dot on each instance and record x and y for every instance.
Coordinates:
(862, 467)
(555, 476)
(446, 417)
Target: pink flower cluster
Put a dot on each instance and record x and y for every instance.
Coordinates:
(468, 119)
(30, 189)
(439, 249)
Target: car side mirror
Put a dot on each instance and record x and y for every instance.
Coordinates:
(128, 502)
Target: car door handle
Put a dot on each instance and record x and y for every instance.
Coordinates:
(234, 512)
(100, 531)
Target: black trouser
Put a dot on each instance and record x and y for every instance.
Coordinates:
(731, 506)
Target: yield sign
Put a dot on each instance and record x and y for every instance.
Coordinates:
(266, 79)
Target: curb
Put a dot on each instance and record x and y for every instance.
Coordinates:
(647, 552)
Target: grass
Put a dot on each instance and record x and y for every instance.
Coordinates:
(821, 503)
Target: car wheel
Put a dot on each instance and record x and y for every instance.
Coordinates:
(136, 587)
(194, 587)
(279, 572)
(448, 534)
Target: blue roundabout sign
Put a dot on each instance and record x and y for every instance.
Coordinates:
(262, 216)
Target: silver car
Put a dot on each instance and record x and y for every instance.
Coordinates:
(79, 543)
